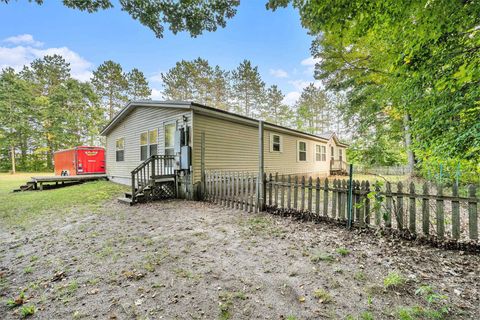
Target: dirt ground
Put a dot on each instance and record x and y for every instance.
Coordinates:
(192, 260)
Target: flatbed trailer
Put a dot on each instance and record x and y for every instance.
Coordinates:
(50, 182)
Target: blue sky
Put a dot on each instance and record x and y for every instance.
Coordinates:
(274, 41)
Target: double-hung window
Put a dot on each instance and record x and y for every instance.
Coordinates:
(119, 149)
(302, 151)
(170, 139)
(340, 154)
(148, 144)
(332, 153)
(275, 143)
(320, 153)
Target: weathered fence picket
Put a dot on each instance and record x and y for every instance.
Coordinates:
(455, 217)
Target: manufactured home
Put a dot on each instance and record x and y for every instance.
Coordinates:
(176, 140)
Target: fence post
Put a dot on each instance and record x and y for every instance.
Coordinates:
(244, 191)
(367, 202)
(276, 189)
(252, 204)
(472, 213)
(440, 212)
(334, 198)
(309, 206)
(350, 197)
(412, 219)
(343, 198)
(378, 220)
(325, 198)
(388, 204)
(232, 202)
(358, 206)
(289, 192)
(302, 193)
(270, 186)
(317, 197)
(295, 193)
(455, 213)
(425, 210)
(399, 212)
(361, 207)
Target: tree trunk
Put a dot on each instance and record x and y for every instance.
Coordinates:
(12, 150)
(408, 143)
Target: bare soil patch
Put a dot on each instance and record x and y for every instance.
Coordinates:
(192, 260)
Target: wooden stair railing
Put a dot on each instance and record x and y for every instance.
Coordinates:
(143, 176)
(338, 166)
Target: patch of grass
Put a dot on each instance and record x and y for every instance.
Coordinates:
(366, 315)
(420, 313)
(343, 252)
(360, 276)
(290, 317)
(431, 296)
(323, 296)
(322, 256)
(183, 273)
(28, 270)
(226, 303)
(27, 310)
(394, 280)
(22, 209)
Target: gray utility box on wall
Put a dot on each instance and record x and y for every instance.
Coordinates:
(185, 157)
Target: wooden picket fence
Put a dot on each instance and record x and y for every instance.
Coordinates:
(445, 216)
(232, 189)
(431, 211)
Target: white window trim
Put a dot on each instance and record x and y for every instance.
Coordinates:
(315, 153)
(165, 124)
(120, 138)
(298, 150)
(271, 142)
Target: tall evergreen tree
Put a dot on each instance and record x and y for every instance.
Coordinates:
(111, 85)
(248, 89)
(274, 110)
(313, 110)
(138, 88)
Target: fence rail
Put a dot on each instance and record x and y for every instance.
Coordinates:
(392, 170)
(426, 210)
(402, 208)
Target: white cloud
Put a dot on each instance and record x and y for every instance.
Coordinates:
(157, 77)
(301, 84)
(19, 56)
(156, 94)
(310, 61)
(279, 73)
(26, 39)
(291, 97)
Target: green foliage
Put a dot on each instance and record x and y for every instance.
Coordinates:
(192, 17)
(313, 114)
(27, 310)
(138, 88)
(322, 256)
(394, 280)
(322, 295)
(248, 89)
(343, 251)
(406, 70)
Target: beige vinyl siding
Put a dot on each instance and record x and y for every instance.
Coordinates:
(234, 146)
(141, 119)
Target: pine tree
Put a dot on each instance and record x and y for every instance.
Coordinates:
(274, 110)
(313, 110)
(111, 85)
(138, 88)
(248, 89)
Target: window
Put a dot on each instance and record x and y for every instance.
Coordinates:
(153, 142)
(332, 153)
(340, 154)
(148, 144)
(302, 151)
(169, 139)
(320, 153)
(119, 149)
(275, 143)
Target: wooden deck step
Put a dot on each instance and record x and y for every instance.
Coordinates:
(125, 200)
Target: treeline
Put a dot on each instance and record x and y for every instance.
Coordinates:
(44, 109)
(244, 92)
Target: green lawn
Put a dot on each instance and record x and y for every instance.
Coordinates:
(21, 209)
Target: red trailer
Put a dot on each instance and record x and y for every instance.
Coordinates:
(82, 160)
